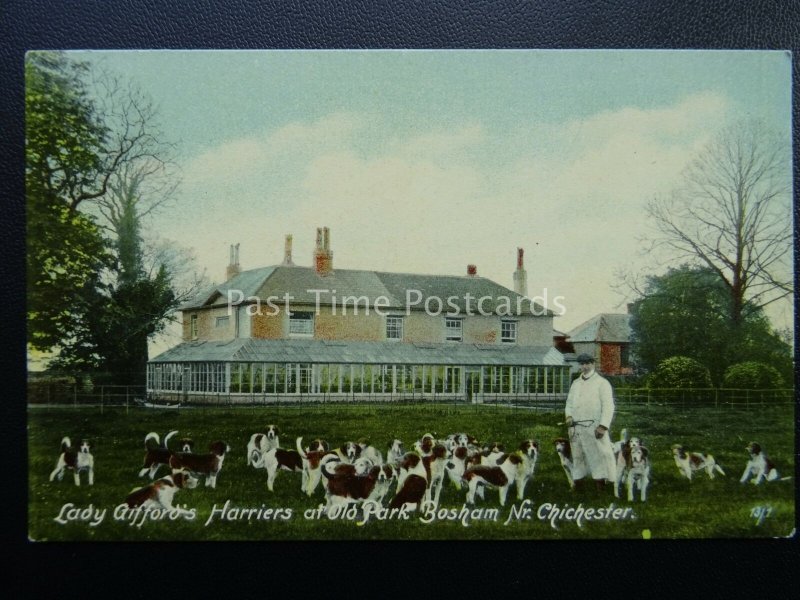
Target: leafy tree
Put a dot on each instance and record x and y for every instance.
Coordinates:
(731, 214)
(752, 376)
(96, 167)
(688, 312)
(680, 372)
(63, 144)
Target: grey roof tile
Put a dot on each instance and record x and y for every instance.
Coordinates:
(604, 327)
(299, 283)
(320, 351)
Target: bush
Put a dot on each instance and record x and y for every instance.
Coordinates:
(680, 372)
(752, 376)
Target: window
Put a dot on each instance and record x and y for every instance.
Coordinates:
(453, 330)
(301, 323)
(394, 328)
(508, 331)
(221, 322)
(193, 327)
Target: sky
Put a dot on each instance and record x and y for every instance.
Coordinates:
(426, 161)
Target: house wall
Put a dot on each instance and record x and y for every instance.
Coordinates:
(371, 326)
(206, 324)
(610, 356)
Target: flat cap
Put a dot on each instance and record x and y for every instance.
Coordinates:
(585, 358)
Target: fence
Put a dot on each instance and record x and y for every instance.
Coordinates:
(717, 397)
(82, 395)
(49, 393)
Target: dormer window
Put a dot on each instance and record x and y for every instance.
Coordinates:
(193, 327)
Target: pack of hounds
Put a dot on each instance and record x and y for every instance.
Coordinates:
(357, 472)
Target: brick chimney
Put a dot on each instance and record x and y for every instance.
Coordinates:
(323, 257)
(521, 275)
(233, 268)
(287, 251)
(472, 270)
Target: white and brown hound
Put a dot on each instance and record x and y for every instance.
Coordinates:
(638, 471)
(161, 493)
(208, 465)
(260, 443)
(517, 467)
(759, 467)
(689, 462)
(75, 460)
(157, 453)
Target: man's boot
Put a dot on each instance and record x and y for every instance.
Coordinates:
(580, 486)
(600, 485)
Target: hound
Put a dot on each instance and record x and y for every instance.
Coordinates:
(74, 460)
(689, 462)
(759, 467)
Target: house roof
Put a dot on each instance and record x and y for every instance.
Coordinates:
(248, 282)
(323, 351)
(397, 288)
(605, 327)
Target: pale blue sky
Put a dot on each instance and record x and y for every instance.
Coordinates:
(425, 161)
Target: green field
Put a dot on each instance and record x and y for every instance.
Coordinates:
(676, 508)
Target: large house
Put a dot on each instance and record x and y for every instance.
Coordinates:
(293, 332)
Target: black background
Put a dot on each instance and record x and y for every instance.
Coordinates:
(369, 569)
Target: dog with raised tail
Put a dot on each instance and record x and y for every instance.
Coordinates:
(346, 484)
(157, 452)
(75, 460)
(689, 462)
(161, 493)
(261, 443)
(759, 467)
(311, 459)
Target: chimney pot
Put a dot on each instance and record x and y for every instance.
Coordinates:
(323, 257)
(472, 270)
(520, 276)
(233, 268)
(287, 250)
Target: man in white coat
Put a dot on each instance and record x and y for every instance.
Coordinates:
(589, 411)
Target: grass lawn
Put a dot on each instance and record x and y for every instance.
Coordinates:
(676, 508)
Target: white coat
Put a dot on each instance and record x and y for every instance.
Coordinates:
(591, 403)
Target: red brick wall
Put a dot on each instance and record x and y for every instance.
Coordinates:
(610, 359)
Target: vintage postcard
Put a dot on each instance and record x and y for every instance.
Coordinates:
(409, 295)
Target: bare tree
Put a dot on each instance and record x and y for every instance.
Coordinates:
(732, 214)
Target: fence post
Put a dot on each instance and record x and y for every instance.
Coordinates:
(75, 395)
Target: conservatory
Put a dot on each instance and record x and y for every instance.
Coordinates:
(246, 370)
